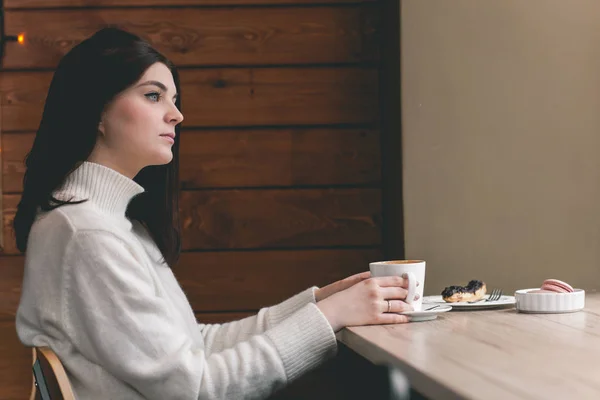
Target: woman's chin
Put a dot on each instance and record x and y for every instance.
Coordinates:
(163, 158)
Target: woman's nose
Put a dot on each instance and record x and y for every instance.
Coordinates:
(174, 115)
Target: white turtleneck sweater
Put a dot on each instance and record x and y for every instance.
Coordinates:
(96, 292)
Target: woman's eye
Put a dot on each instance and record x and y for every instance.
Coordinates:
(154, 96)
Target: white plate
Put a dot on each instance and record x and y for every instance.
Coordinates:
(464, 305)
(425, 314)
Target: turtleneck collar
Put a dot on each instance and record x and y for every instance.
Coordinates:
(108, 189)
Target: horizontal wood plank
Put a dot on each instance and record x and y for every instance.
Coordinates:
(253, 219)
(287, 96)
(228, 282)
(205, 37)
(15, 364)
(9, 4)
(230, 97)
(11, 270)
(279, 157)
(9, 209)
(14, 150)
(249, 158)
(244, 280)
(246, 219)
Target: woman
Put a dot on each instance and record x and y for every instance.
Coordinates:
(99, 226)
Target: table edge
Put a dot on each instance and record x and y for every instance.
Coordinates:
(378, 356)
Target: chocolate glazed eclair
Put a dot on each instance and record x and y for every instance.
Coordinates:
(474, 290)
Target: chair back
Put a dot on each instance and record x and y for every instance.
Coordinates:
(50, 378)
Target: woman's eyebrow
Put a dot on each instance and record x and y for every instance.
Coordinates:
(155, 83)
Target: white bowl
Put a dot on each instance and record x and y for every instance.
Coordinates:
(549, 303)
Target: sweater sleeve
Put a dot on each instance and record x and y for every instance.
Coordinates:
(116, 319)
(219, 337)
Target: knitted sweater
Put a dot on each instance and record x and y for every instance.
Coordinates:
(97, 292)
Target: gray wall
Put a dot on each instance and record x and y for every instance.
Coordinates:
(501, 140)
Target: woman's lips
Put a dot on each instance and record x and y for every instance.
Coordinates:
(169, 136)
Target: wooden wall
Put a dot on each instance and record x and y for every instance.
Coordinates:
(280, 153)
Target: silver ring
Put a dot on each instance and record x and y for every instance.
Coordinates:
(389, 306)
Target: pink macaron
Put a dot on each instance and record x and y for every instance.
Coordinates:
(556, 286)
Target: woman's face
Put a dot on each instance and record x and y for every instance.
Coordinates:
(137, 128)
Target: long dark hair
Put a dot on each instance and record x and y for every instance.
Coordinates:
(86, 80)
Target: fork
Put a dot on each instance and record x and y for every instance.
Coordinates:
(494, 296)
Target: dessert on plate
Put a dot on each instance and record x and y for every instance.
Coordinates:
(554, 286)
(474, 290)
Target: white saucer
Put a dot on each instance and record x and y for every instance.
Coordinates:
(504, 301)
(428, 313)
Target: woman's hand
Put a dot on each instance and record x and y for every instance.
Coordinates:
(333, 288)
(366, 303)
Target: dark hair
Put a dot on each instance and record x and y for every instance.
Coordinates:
(87, 78)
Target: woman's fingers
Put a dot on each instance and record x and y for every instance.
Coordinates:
(393, 319)
(361, 275)
(393, 292)
(354, 279)
(396, 306)
(387, 281)
(338, 286)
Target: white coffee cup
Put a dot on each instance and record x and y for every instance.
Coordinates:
(415, 272)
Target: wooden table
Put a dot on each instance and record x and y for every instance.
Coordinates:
(492, 354)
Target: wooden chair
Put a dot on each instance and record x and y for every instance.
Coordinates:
(50, 381)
